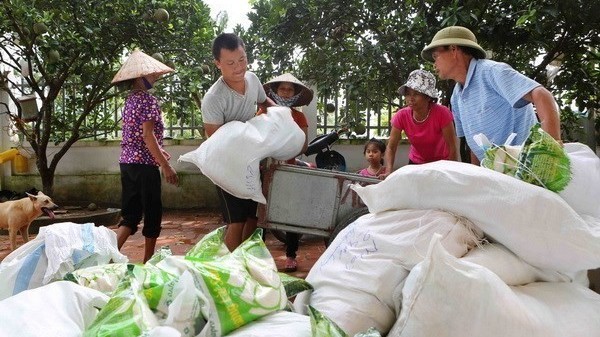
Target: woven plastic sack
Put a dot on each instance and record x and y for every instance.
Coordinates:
(447, 297)
(230, 157)
(541, 161)
(60, 308)
(211, 246)
(583, 191)
(104, 278)
(127, 313)
(294, 285)
(57, 250)
(526, 219)
(277, 324)
(511, 269)
(241, 287)
(378, 249)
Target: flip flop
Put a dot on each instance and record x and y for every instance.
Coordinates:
(290, 265)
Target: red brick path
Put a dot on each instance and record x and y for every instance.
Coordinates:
(183, 228)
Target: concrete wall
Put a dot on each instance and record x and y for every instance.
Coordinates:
(89, 172)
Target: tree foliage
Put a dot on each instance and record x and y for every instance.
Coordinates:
(370, 46)
(74, 48)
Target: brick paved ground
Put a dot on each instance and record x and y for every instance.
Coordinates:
(183, 228)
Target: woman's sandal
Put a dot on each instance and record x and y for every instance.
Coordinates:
(290, 265)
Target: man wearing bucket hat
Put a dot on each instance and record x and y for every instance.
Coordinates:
(233, 97)
(427, 124)
(141, 151)
(287, 90)
(489, 97)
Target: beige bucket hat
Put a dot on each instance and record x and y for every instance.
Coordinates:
(453, 35)
(139, 64)
(421, 81)
(306, 94)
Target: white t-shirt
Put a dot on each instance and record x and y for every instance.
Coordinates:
(221, 104)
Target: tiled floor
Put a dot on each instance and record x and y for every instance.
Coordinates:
(183, 228)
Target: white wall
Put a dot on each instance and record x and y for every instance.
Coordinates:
(102, 157)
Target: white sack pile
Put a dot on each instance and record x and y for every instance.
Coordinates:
(537, 235)
(531, 280)
(57, 250)
(445, 296)
(208, 292)
(534, 223)
(358, 279)
(230, 157)
(60, 308)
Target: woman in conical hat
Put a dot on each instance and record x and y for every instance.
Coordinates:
(139, 65)
(287, 90)
(303, 95)
(142, 153)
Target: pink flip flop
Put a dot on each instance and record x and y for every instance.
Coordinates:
(290, 265)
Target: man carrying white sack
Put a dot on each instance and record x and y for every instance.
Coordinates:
(233, 97)
(489, 97)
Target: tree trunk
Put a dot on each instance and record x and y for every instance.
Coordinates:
(47, 176)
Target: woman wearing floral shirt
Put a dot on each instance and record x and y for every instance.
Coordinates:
(141, 152)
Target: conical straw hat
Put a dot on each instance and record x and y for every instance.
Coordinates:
(306, 94)
(138, 65)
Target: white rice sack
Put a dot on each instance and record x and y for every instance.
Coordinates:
(70, 246)
(534, 223)
(161, 331)
(230, 157)
(185, 306)
(282, 323)
(510, 268)
(175, 264)
(357, 276)
(583, 191)
(60, 308)
(446, 296)
(24, 268)
(104, 278)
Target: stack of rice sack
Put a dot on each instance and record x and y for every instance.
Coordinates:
(395, 269)
(359, 278)
(207, 292)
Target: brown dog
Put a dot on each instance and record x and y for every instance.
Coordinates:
(17, 215)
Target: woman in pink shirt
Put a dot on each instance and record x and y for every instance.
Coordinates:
(427, 124)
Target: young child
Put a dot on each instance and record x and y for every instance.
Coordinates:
(374, 151)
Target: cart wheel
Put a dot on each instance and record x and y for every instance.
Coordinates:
(280, 235)
(348, 219)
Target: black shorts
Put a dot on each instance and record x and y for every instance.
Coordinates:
(141, 197)
(235, 209)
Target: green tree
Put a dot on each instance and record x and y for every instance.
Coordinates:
(370, 46)
(74, 48)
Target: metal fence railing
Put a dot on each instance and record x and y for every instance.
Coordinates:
(363, 118)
